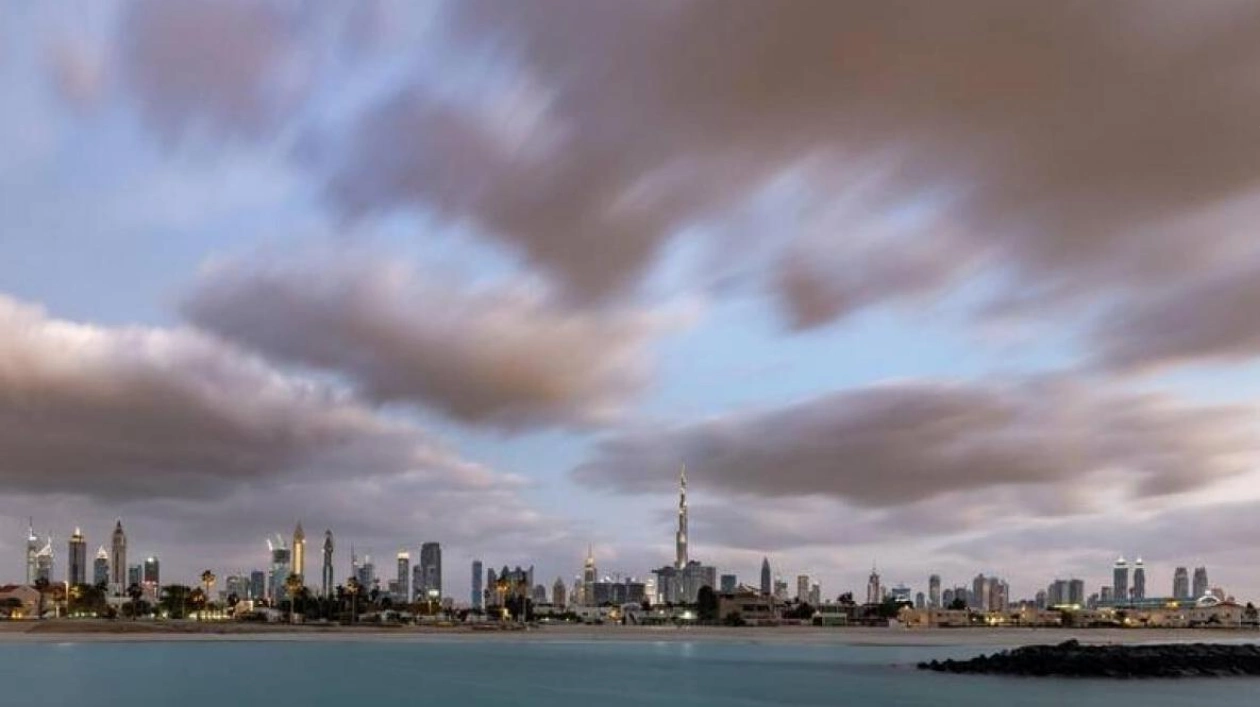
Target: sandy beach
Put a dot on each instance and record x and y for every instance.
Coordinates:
(122, 631)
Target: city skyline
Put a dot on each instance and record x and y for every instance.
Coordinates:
(458, 272)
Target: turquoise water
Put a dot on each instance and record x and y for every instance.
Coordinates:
(524, 673)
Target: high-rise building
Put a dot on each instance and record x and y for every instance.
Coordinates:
(1200, 582)
(44, 562)
(431, 561)
(780, 589)
(680, 538)
(980, 593)
(299, 553)
(589, 577)
(1181, 584)
(76, 562)
(1076, 592)
(920, 601)
(279, 573)
(1120, 580)
(135, 575)
(802, 588)
(100, 568)
(1139, 580)
(874, 592)
(947, 598)
(257, 585)
(403, 580)
(365, 573)
(1057, 593)
(327, 581)
(728, 582)
(934, 591)
(32, 549)
(118, 558)
(815, 594)
(558, 598)
(765, 577)
(152, 572)
(478, 591)
(1104, 594)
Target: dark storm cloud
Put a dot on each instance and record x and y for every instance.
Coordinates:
(506, 357)
(116, 412)
(895, 444)
(1059, 145)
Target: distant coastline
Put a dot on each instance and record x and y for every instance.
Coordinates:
(124, 631)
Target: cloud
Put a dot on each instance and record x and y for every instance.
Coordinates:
(890, 445)
(78, 72)
(115, 413)
(504, 356)
(1208, 320)
(227, 69)
(1064, 160)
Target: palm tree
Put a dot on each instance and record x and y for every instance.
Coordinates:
(292, 584)
(135, 592)
(353, 588)
(207, 581)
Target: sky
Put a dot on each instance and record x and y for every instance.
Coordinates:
(948, 288)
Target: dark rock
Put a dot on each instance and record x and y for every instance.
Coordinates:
(1071, 659)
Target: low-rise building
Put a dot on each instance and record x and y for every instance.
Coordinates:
(751, 608)
(19, 601)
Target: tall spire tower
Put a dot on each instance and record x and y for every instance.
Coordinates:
(680, 539)
(326, 583)
(299, 552)
(32, 549)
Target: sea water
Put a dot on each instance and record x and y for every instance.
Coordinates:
(526, 673)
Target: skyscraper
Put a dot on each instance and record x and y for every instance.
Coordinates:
(280, 563)
(431, 561)
(1139, 580)
(299, 553)
(934, 591)
(1076, 592)
(135, 575)
(478, 590)
(680, 538)
(980, 593)
(100, 568)
(32, 549)
(76, 562)
(1181, 584)
(802, 588)
(152, 572)
(728, 582)
(765, 577)
(1120, 580)
(1200, 582)
(404, 576)
(558, 598)
(44, 561)
(589, 578)
(257, 585)
(118, 558)
(327, 582)
(874, 591)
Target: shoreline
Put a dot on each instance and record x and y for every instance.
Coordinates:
(145, 632)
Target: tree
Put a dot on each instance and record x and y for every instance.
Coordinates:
(41, 586)
(174, 600)
(958, 605)
(135, 593)
(734, 618)
(707, 604)
(801, 611)
(292, 584)
(846, 599)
